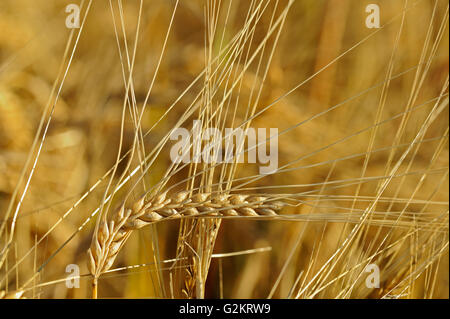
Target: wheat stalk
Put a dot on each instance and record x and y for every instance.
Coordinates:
(111, 235)
(18, 294)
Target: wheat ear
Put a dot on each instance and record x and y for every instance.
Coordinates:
(111, 235)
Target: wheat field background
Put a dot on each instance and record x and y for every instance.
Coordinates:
(362, 118)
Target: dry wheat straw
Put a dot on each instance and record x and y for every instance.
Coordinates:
(12, 295)
(111, 236)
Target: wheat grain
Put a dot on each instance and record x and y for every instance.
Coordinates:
(111, 235)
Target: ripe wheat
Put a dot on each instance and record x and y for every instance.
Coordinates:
(111, 235)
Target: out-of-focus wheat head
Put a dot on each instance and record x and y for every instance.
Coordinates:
(362, 117)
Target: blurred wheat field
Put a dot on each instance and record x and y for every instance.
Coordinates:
(362, 119)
